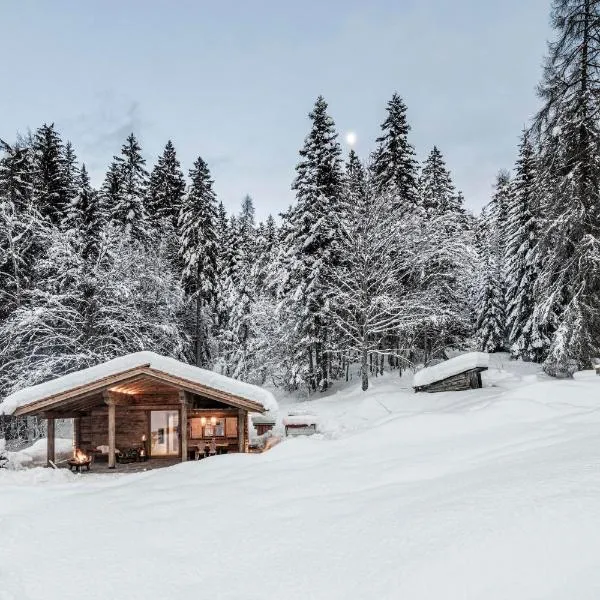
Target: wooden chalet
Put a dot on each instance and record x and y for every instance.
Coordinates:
(157, 406)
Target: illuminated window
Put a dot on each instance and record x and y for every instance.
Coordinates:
(223, 427)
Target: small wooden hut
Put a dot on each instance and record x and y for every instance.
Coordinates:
(460, 373)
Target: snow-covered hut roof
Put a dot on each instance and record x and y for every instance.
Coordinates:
(451, 367)
(145, 363)
(300, 419)
(266, 419)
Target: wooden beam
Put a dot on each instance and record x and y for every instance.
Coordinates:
(198, 388)
(242, 418)
(183, 424)
(117, 398)
(77, 431)
(50, 458)
(61, 415)
(111, 434)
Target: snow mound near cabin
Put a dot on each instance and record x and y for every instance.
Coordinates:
(451, 367)
(36, 454)
(130, 361)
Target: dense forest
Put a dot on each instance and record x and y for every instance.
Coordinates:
(376, 266)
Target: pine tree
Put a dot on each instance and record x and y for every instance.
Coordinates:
(49, 182)
(310, 243)
(266, 248)
(222, 223)
(499, 207)
(199, 254)
(239, 299)
(16, 174)
(438, 195)
(20, 226)
(449, 244)
(129, 212)
(356, 179)
(491, 324)
(568, 288)
(394, 165)
(270, 234)
(111, 190)
(85, 216)
(70, 176)
(166, 188)
(248, 228)
(525, 339)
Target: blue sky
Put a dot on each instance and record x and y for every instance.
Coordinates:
(233, 81)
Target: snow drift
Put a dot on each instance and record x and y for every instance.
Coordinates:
(486, 494)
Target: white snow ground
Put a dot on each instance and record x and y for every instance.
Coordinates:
(486, 494)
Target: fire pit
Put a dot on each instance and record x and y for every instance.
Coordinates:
(80, 459)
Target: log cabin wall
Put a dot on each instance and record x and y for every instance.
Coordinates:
(132, 422)
(130, 426)
(463, 381)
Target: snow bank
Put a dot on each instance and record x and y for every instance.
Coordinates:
(484, 494)
(131, 361)
(36, 454)
(449, 368)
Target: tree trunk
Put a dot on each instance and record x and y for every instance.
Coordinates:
(311, 368)
(324, 362)
(364, 372)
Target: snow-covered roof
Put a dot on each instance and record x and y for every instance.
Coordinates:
(265, 419)
(449, 368)
(169, 366)
(301, 419)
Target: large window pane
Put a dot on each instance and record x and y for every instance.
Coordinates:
(164, 432)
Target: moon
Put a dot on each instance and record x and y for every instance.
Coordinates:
(351, 138)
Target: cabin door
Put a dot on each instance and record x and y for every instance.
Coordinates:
(164, 433)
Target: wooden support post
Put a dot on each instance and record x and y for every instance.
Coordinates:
(242, 425)
(50, 448)
(183, 424)
(112, 446)
(77, 432)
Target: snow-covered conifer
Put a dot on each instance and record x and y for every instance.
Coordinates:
(310, 243)
(568, 132)
(49, 182)
(198, 252)
(394, 166)
(129, 212)
(166, 188)
(522, 261)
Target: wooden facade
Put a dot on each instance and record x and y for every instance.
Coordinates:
(162, 414)
(470, 379)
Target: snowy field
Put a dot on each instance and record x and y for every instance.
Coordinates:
(487, 494)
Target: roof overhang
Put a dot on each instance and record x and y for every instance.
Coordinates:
(119, 381)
